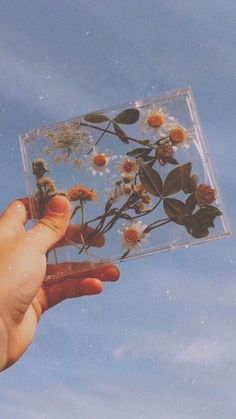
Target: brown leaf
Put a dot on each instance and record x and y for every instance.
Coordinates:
(151, 180)
(177, 211)
(177, 179)
(191, 185)
(128, 116)
(96, 117)
(121, 134)
(139, 152)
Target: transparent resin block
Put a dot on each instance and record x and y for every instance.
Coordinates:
(138, 177)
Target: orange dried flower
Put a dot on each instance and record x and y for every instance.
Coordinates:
(81, 192)
(178, 134)
(156, 119)
(100, 160)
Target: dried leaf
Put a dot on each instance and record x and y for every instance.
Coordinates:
(177, 179)
(148, 158)
(202, 220)
(171, 160)
(139, 152)
(121, 134)
(96, 117)
(192, 184)
(128, 116)
(191, 202)
(177, 211)
(151, 180)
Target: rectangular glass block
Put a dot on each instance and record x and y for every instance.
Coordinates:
(138, 177)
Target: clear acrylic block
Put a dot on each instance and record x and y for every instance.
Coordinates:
(137, 175)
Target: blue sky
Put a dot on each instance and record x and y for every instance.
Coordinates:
(160, 343)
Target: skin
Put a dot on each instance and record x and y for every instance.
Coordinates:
(24, 295)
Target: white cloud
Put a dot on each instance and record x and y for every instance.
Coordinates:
(173, 348)
(200, 352)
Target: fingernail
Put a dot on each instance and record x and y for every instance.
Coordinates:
(109, 273)
(57, 205)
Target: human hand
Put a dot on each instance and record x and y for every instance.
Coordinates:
(23, 294)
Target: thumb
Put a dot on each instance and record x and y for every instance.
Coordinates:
(53, 225)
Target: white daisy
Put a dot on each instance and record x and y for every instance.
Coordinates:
(133, 234)
(155, 118)
(98, 162)
(128, 166)
(178, 134)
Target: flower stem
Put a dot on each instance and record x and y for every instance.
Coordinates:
(75, 210)
(99, 139)
(156, 225)
(82, 226)
(106, 130)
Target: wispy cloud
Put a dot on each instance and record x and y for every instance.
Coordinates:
(172, 348)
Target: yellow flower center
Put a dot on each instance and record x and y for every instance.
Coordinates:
(178, 134)
(100, 160)
(156, 120)
(131, 236)
(129, 166)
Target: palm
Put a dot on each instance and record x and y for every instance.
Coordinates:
(24, 296)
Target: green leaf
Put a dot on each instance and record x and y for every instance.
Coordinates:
(129, 116)
(96, 117)
(177, 211)
(139, 152)
(177, 179)
(121, 134)
(151, 180)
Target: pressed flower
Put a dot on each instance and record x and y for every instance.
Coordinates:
(47, 184)
(127, 189)
(97, 162)
(146, 198)
(40, 167)
(81, 192)
(140, 208)
(127, 178)
(128, 167)
(139, 187)
(57, 159)
(204, 195)
(178, 134)
(155, 118)
(165, 150)
(68, 139)
(47, 150)
(77, 163)
(133, 235)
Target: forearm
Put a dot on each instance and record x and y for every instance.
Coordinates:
(3, 346)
